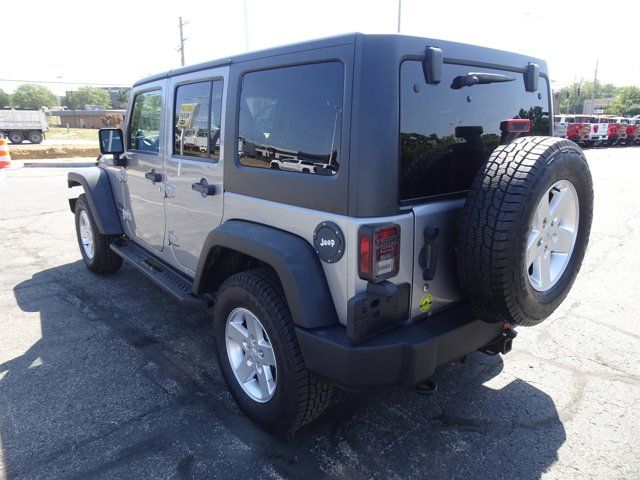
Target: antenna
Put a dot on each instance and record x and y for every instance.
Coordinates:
(399, 14)
(182, 40)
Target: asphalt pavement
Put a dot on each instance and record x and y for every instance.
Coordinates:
(108, 377)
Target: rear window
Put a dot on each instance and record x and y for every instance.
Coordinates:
(446, 133)
(291, 118)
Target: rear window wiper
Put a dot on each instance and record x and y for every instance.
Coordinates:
(478, 78)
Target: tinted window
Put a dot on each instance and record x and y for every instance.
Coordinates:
(215, 126)
(291, 118)
(197, 120)
(144, 128)
(446, 133)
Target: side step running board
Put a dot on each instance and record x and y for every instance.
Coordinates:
(174, 283)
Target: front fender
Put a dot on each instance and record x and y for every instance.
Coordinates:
(294, 260)
(97, 189)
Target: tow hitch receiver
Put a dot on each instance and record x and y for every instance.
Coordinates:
(502, 344)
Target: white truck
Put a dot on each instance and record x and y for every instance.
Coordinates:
(21, 125)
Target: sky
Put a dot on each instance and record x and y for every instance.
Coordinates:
(116, 42)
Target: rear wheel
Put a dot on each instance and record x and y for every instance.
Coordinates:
(524, 229)
(35, 137)
(259, 354)
(16, 137)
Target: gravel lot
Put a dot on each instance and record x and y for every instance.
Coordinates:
(110, 378)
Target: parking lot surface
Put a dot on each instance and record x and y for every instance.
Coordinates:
(108, 377)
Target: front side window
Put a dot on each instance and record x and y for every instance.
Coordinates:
(197, 120)
(144, 129)
(291, 118)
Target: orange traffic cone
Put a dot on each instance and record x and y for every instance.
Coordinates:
(5, 158)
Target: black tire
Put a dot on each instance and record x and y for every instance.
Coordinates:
(105, 261)
(16, 137)
(299, 396)
(495, 222)
(35, 137)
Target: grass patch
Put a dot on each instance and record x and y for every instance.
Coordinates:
(73, 134)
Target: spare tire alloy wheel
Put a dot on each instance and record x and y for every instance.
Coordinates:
(250, 355)
(554, 228)
(524, 229)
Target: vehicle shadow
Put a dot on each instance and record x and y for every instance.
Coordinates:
(121, 383)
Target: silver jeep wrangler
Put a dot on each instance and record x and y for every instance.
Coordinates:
(354, 211)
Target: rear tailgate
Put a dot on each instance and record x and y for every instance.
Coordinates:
(446, 134)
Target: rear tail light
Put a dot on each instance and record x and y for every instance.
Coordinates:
(378, 251)
(595, 128)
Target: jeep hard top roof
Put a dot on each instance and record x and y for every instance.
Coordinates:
(453, 52)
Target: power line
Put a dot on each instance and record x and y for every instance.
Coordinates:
(18, 80)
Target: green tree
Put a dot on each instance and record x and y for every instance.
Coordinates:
(88, 96)
(5, 99)
(627, 102)
(123, 95)
(573, 96)
(33, 96)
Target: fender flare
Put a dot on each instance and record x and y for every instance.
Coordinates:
(97, 189)
(294, 260)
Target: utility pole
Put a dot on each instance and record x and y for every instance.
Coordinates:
(593, 89)
(182, 39)
(246, 26)
(399, 14)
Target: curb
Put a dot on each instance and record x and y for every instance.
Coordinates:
(57, 164)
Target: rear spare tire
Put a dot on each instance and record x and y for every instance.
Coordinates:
(524, 229)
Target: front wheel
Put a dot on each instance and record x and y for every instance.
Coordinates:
(260, 357)
(94, 246)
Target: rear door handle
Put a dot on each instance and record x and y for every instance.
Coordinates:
(204, 188)
(153, 176)
(429, 253)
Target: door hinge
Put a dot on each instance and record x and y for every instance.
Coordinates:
(173, 238)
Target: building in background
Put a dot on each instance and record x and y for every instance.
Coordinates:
(598, 107)
(119, 96)
(86, 118)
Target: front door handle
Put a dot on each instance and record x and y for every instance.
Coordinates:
(204, 188)
(153, 176)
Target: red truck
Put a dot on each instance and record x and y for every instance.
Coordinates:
(617, 130)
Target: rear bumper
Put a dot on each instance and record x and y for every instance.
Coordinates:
(406, 355)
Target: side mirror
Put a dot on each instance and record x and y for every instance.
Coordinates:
(111, 141)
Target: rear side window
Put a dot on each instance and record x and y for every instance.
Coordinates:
(446, 134)
(196, 120)
(144, 128)
(291, 118)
